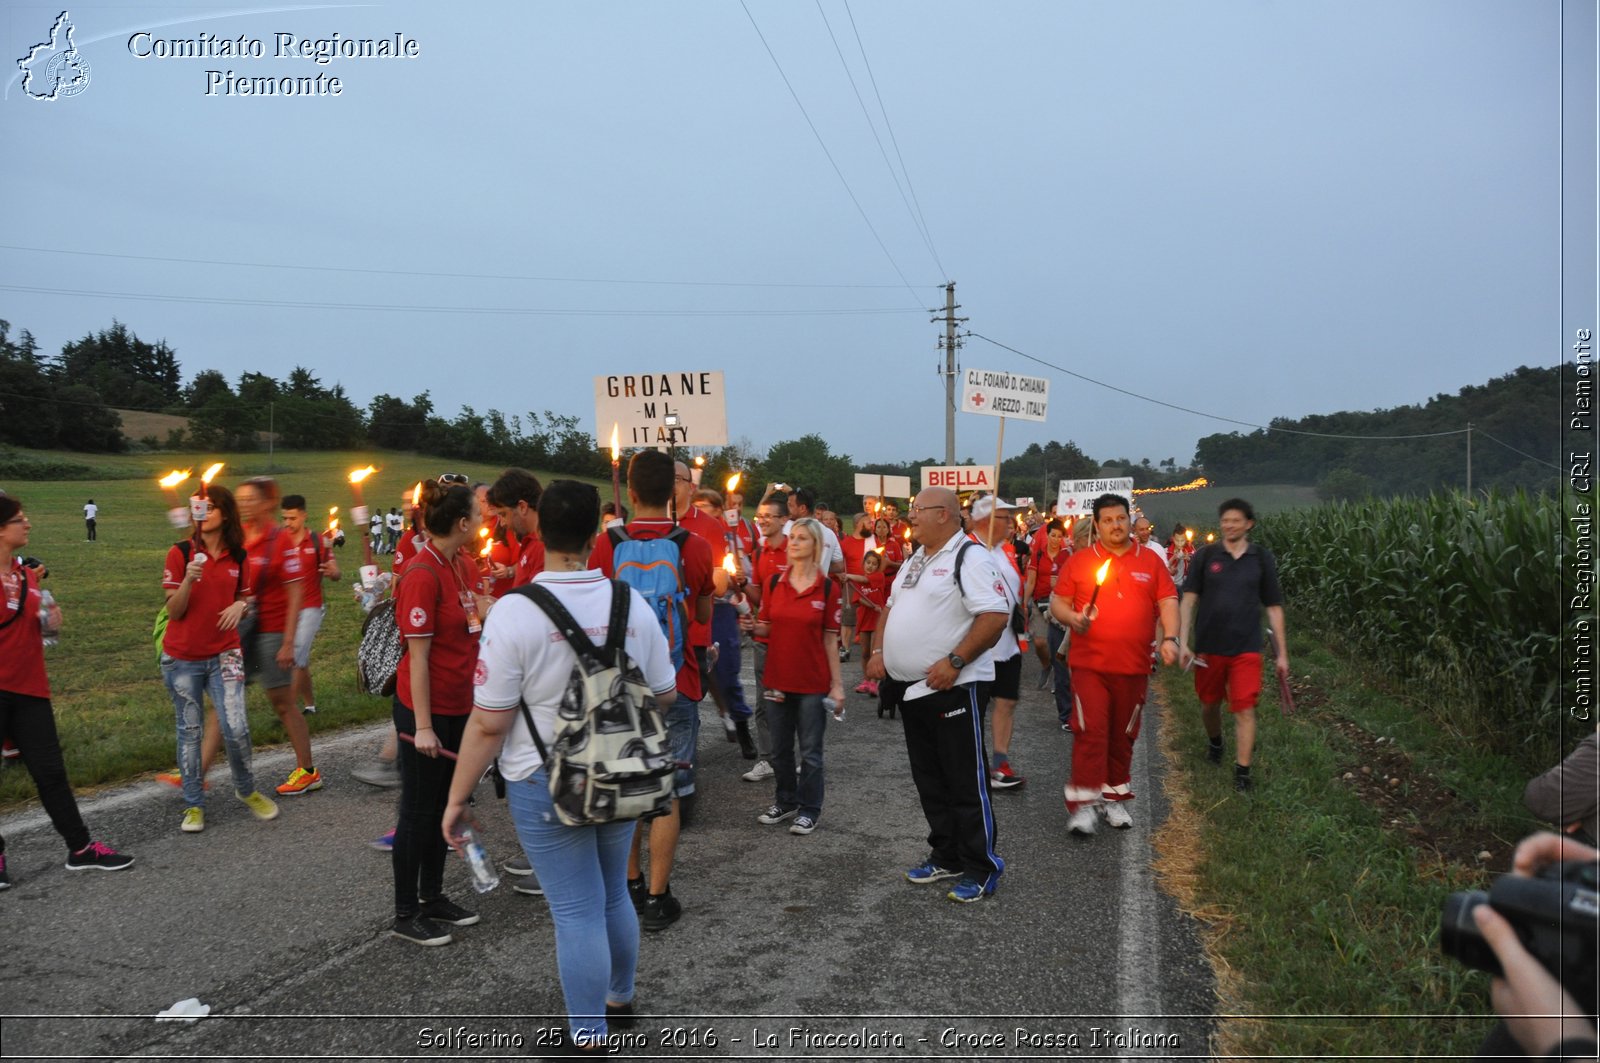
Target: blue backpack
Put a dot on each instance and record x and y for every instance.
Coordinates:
(654, 568)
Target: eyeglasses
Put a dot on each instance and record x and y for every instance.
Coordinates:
(685, 479)
(453, 478)
(18, 520)
(924, 509)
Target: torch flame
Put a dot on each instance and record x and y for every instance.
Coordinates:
(487, 546)
(175, 477)
(416, 495)
(1211, 537)
(206, 476)
(357, 475)
(616, 450)
(1101, 572)
(1189, 535)
(728, 565)
(733, 481)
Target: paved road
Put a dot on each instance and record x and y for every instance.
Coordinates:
(790, 947)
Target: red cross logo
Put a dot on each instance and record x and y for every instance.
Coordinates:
(978, 399)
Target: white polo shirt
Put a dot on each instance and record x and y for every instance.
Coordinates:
(1007, 647)
(929, 614)
(522, 656)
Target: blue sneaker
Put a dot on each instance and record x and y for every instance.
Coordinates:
(969, 890)
(928, 871)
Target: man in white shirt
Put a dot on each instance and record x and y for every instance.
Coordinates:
(946, 609)
(90, 511)
(1141, 531)
(801, 502)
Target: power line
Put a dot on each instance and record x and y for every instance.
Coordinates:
(293, 304)
(823, 144)
(1230, 420)
(926, 232)
(1514, 450)
(424, 273)
(915, 219)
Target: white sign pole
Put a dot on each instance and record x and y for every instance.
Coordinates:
(999, 451)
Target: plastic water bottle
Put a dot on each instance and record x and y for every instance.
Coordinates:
(484, 876)
(47, 604)
(835, 707)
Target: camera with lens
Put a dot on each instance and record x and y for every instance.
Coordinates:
(1555, 915)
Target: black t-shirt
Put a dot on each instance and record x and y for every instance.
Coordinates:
(1232, 592)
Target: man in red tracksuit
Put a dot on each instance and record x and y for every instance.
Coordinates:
(1110, 658)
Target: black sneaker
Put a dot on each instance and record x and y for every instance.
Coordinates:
(776, 814)
(5, 877)
(1243, 783)
(97, 856)
(444, 910)
(1214, 752)
(420, 931)
(637, 893)
(528, 887)
(620, 1016)
(660, 911)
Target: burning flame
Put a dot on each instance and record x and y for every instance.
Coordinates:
(1211, 537)
(733, 481)
(729, 566)
(906, 535)
(357, 475)
(1192, 485)
(700, 461)
(1101, 572)
(333, 511)
(616, 450)
(488, 544)
(1189, 535)
(175, 477)
(206, 476)
(416, 495)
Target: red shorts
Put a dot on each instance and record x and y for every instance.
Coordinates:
(1236, 680)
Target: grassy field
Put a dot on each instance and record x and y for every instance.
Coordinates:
(113, 712)
(1321, 891)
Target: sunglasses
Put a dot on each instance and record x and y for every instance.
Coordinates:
(452, 478)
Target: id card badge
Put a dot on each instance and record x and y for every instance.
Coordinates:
(469, 605)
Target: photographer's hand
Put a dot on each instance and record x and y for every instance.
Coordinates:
(1539, 850)
(1537, 1011)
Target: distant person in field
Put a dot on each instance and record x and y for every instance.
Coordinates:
(318, 565)
(90, 512)
(1109, 656)
(1231, 581)
(26, 716)
(393, 525)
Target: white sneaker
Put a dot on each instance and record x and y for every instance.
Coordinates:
(762, 770)
(1082, 821)
(1116, 815)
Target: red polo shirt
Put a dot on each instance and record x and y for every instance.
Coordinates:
(431, 603)
(697, 567)
(195, 635)
(797, 663)
(274, 564)
(22, 639)
(1118, 642)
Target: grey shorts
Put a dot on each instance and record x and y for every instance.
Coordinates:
(262, 665)
(848, 615)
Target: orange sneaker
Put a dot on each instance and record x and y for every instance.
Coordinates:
(301, 782)
(174, 779)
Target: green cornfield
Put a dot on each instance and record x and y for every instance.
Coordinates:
(1458, 599)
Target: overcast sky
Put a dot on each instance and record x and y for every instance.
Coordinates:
(1253, 208)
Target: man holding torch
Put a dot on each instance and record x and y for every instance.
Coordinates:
(1110, 596)
(1231, 581)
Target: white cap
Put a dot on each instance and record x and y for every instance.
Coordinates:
(989, 504)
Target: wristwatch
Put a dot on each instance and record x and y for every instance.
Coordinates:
(956, 661)
(1172, 638)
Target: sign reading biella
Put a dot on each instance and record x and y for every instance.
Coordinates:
(318, 50)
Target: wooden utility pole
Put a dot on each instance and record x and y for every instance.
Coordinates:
(1469, 457)
(949, 343)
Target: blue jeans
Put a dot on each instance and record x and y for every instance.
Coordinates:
(1056, 636)
(730, 657)
(798, 716)
(584, 873)
(683, 738)
(188, 682)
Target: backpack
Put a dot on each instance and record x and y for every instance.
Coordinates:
(654, 568)
(186, 548)
(380, 648)
(610, 760)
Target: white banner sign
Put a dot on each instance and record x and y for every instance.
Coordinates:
(1077, 496)
(1001, 394)
(870, 484)
(661, 409)
(959, 477)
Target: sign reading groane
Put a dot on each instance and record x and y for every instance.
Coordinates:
(662, 409)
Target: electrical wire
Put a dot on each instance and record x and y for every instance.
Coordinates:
(292, 304)
(882, 151)
(424, 273)
(926, 232)
(823, 144)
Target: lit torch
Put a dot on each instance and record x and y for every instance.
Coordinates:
(178, 515)
(698, 470)
(616, 468)
(1211, 537)
(358, 512)
(333, 521)
(1099, 579)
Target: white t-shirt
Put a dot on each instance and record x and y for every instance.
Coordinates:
(929, 614)
(523, 657)
(89, 510)
(394, 521)
(1157, 549)
(1007, 647)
